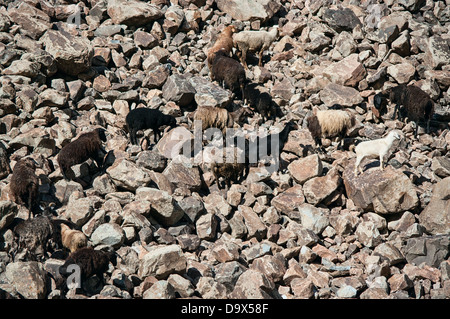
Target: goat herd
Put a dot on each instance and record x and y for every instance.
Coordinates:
(230, 73)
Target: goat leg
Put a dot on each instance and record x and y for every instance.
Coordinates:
(260, 57)
(396, 111)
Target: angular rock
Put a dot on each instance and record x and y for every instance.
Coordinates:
(402, 73)
(132, 12)
(80, 210)
(343, 95)
(184, 175)
(441, 166)
(254, 285)
(164, 207)
(303, 288)
(436, 215)
(162, 261)
(272, 266)
(368, 234)
(206, 226)
(28, 278)
(437, 52)
(209, 94)
(128, 175)
(161, 289)
(8, 211)
(179, 89)
(384, 192)
(73, 54)
(209, 288)
(33, 22)
(23, 67)
(255, 226)
(349, 71)
(313, 218)
(429, 250)
(289, 200)
(323, 189)
(341, 19)
(390, 252)
(249, 10)
(108, 234)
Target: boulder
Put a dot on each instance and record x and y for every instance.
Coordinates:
(249, 10)
(164, 207)
(28, 278)
(384, 192)
(162, 261)
(322, 189)
(209, 94)
(178, 88)
(128, 175)
(349, 71)
(341, 19)
(340, 94)
(437, 52)
(73, 54)
(132, 12)
(8, 211)
(436, 215)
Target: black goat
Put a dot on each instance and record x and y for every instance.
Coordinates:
(144, 118)
(417, 104)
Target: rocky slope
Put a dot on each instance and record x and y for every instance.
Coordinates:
(310, 230)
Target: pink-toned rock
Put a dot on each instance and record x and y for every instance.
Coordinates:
(289, 200)
(303, 288)
(305, 168)
(399, 282)
(323, 189)
(101, 83)
(384, 192)
(253, 284)
(349, 71)
(335, 93)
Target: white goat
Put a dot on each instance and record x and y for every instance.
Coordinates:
(254, 41)
(375, 148)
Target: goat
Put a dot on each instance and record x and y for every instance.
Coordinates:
(88, 145)
(72, 239)
(417, 104)
(261, 101)
(91, 262)
(223, 42)
(231, 172)
(265, 143)
(25, 184)
(329, 123)
(228, 72)
(35, 235)
(143, 118)
(220, 118)
(378, 148)
(254, 41)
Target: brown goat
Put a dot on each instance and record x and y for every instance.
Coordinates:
(223, 42)
(84, 147)
(231, 172)
(25, 183)
(72, 239)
